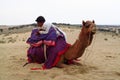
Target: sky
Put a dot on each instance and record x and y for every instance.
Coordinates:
(17, 12)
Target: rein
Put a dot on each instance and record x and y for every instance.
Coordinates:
(87, 54)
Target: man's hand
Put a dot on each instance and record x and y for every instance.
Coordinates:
(37, 44)
(49, 43)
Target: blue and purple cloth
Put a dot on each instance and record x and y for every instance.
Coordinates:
(56, 43)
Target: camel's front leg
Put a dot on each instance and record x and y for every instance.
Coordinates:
(61, 64)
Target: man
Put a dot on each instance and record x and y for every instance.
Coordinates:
(47, 44)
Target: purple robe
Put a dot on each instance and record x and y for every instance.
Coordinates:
(36, 54)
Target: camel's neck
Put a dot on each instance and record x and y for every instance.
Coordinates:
(83, 40)
(78, 48)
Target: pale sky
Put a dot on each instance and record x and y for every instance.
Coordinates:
(16, 12)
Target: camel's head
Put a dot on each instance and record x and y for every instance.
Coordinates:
(89, 26)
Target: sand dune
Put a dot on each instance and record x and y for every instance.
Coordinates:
(101, 60)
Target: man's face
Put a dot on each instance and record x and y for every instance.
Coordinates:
(39, 24)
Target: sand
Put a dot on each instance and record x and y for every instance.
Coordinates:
(101, 60)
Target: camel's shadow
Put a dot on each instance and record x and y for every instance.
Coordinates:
(79, 69)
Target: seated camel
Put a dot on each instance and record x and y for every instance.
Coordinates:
(84, 40)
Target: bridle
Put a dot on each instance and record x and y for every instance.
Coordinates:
(90, 36)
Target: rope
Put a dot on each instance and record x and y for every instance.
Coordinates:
(88, 53)
(91, 52)
(45, 52)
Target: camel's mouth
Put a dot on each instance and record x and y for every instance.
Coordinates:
(93, 32)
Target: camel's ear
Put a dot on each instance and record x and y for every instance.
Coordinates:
(93, 21)
(83, 23)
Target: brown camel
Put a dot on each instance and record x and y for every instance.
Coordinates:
(84, 40)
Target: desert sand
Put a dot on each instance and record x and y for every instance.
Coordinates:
(101, 60)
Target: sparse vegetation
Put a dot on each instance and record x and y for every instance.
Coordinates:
(2, 41)
(11, 40)
(1, 30)
(106, 39)
(6, 35)
(23, 39)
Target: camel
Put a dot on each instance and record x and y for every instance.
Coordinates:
(84, 40)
